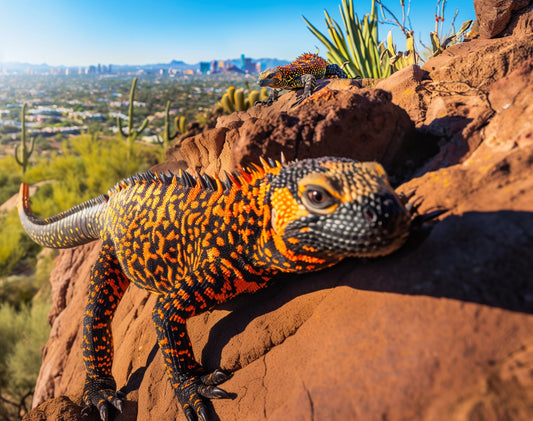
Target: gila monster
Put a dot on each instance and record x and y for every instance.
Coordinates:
(200, 241)
(301, 73)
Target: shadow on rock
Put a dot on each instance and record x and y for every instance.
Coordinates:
(135, 379)
(479, 257)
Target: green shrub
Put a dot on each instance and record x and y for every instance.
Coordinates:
(15, 245)
(23, 334)
(24, 361)
(23, 331)
(9, 185)
(86, 169)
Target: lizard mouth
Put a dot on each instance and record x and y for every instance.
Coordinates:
(271, 83)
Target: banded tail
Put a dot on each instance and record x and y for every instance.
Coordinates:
(335, 70)
(76, 226)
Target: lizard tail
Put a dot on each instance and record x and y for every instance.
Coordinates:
(76, 226)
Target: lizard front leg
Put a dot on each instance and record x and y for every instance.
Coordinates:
(309, 82)
(107, 287)
(272, 97)
(188, 378)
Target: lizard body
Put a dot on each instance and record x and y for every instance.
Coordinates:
(198, 242)
(301, 73)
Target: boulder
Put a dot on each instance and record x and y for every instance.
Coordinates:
(494, 15)
(321, 126)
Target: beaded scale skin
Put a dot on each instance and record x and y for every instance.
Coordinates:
(198, 242)
(301, 73)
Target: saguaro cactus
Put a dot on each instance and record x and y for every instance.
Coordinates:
(241, 100)
(22, 152)
(179, 126)
(132, 133)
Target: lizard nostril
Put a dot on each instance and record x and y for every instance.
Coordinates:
(370, 214)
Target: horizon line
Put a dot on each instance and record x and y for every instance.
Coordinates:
(136, 64)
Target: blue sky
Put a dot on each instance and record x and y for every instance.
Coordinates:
(80, 32)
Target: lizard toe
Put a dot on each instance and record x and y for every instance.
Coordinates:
(216, 377)
(193, 390)
(99, 393)
(213, 392)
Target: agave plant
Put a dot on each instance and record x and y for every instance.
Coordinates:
(358, 49)
(398, 59)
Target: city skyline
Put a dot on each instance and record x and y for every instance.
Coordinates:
(62, 33)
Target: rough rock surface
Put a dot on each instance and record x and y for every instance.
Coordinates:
(441, 330)
(494, 15)
(316, 128)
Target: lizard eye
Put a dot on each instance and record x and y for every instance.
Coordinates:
(317, 199)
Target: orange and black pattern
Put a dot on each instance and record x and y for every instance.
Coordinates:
(77, 226)
(199, 241)
(301, 73)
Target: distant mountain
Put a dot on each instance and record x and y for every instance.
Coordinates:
(13, 66)
(16, 67)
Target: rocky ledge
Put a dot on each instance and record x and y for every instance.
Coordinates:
(442, 329)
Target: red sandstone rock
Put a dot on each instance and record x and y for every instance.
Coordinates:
(59, 374)
(521, 24)
(60, 408)
(408, 91)
(480, 62)
(338, 116)
(331, 124)
(494, 15)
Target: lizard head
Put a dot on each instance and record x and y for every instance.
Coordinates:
(327, 209)
(272, 78)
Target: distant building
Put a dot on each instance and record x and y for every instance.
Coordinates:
(234, 69)
(204, 67)
(249, 65)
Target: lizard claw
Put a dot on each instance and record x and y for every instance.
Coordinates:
(189, 414)
(104, 412)
(216, 377)
(213, 392)
(202, 414)
(99, 393)
(274, 95)
(298, 101)
(302, 98)
(193, 389)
